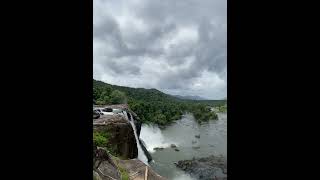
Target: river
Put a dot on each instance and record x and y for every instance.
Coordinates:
(182, 133)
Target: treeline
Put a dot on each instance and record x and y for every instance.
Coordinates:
(151, 105)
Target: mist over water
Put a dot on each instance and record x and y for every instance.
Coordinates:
(212, 141)
(153, 138)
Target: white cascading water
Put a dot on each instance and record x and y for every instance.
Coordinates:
(153, 138)
(141, 154)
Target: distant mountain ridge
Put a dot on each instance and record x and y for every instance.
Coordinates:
(190, 97)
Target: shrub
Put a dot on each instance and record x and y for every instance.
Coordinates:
(100, 139)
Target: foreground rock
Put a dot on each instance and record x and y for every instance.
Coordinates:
(108, 167)
(122, 140)
(104, 168)
(208, 168)
(137, 170)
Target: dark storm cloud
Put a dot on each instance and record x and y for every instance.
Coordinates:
(178, 46)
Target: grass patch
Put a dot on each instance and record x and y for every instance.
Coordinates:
(124, 173)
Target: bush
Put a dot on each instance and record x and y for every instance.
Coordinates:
(100, 139)
(124, 174)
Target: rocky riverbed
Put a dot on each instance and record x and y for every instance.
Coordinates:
(208, 168)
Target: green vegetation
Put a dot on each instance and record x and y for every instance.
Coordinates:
(104, 94)
(94, 177)
(124, 173)
(222, 108)
(153, 106)
(202, 113)
(100, 139)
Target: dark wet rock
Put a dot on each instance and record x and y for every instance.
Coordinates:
(195, 147)
(146, 152)
(208, 168)
(176, 149)
(138, 126)
(173, 146)
(136, 120)
(197, 136)
(107, 109)
(193, 142)
(211, 145)
(158, 148)
(96, 115)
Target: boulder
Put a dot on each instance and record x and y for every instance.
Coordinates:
(103, 165)
(96, 115)
(197, 136)
(173, 146)
(158, 148)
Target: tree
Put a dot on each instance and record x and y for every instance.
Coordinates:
(117, 97)
(152, 105)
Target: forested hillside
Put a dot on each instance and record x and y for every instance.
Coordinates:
(152, 105)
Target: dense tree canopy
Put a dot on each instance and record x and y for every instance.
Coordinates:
(152, 105)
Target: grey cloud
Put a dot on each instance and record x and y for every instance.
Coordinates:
(128, 51)
(123, 68)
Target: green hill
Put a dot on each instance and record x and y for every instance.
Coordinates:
(152, 105)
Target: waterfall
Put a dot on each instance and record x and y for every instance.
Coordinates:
(153, 138)
(141, 155)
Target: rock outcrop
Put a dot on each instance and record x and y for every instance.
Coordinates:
(104, 167)
(122, 140)
(137, 170)
(96, 115)
(208, 168)
(146, 152)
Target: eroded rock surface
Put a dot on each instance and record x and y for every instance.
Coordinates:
(122, 140)
(208, 168)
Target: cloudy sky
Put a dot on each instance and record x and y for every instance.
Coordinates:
(176, 46)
